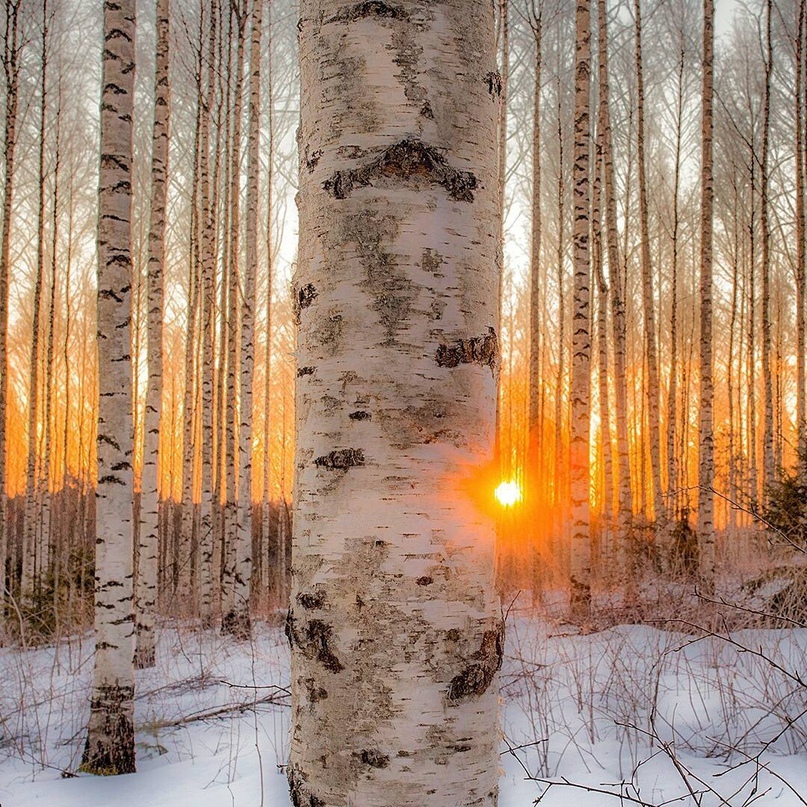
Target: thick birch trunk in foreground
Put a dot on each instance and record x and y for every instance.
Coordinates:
(149, 497)
(580, 476)
(110, 737)
(395, 632)
(706, 463)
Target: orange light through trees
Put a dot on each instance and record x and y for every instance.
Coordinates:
(508, 493)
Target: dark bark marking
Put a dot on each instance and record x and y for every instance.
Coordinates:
(424, 581)
(426, 110)
(341, 460)
(403, 160)
(360, 415)
(115, 754)
(370, 8)
(494, 82)
(311, 601)
(315, 693)
(313, 641)
(374, 758)
(301, 796)
(482, 350)
(474, 680)
(312, 160)
(303, 298)
(301, 371)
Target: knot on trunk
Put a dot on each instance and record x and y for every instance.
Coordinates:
(341, 460)
(404, 160)
(313, 640)
(474, 680)
(482, 350)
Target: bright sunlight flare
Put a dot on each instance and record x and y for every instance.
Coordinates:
(508, 493)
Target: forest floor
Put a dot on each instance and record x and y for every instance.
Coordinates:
(653, 715)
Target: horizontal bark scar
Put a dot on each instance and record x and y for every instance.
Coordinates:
(408, 158)
(474, 680)
(370, 8)
(341, 460)
(482, 350)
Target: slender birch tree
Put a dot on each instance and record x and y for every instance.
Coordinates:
(800, 150)
(580, 476)
(11, 72)
(110, 737)
(652, 392)
(395, 633)
(149, 533)
(706, 466)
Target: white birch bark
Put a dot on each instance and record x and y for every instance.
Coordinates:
(146, 594)
(579, 472)
(29, 583)
(395, 633)
(616, 282)
(800, 151)
(237, 555)
(110, 737)
(209, 497)
(653, 396)
(11, 68)
(768, 461)
(706, 467)
(237, 618)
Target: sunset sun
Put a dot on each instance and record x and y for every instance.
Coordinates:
(508, 493)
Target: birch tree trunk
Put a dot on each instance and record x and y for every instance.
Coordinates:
(801, 241)
(648, 304)
(149, 496)
(534, 424)
(395, 633)
(672, 389)
(110, 737)
(209, 250)
(11, 69)
(238, 555)
(625, 498)
(706, 468)
(29, 583)
(580, 476)
(237, 618)
(768, 462)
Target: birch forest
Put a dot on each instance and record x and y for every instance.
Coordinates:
(403, 403)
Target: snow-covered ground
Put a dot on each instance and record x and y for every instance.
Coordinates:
(658, 716)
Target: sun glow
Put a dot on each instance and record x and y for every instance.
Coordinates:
(508, 493)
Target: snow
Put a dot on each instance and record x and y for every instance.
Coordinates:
(658, 715)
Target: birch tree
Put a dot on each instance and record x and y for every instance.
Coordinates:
(110, 737)
(581, 323)
(149, 497)
(11, 71)
(396, 637)
(706, 467)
